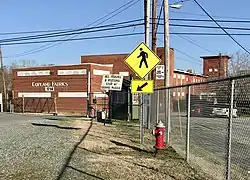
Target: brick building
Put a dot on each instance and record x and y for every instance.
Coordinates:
(65, 88)
(58, 88)
(215, 66)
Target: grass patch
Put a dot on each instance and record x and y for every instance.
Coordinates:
(114, 152)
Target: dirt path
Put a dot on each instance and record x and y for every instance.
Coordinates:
(114, 152)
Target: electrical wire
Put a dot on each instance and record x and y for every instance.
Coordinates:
(159, 17)
(171, 19)
(206, 34)
(209, 20)
(193, 58)
(51, 45)
(74, 33)
(102, 37)
(187, 60)
(221, 27)
(194, 43)
(207, 27)
(178, 2)
(202, 15)
(34, 32)
(62, 33)
(75, 39)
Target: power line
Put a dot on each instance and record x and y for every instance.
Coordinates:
(102, 37)
(64, 33)
(171, 19)
(159, 17)
(187, 60)
(208, 20)
(50, 45)
(34, 32)
(75, 39)
(196, 44)
(198, 61)
(207, 34)
(220, 26)
(194, 14)
(74, 33)
(208, 27)
(177, 2)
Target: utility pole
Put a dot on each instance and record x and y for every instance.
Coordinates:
(154, 49)
(143, 108)
(3, 79)
(166, 67)
(154, 30)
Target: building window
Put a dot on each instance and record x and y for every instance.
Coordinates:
(182, 94)
(179, 76)
(186, 79)
(174, 75)
(173, 93)
(215, 70)
(183, 77)
(179, 93)
(210, 70)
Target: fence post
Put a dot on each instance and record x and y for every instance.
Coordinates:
(230, 122)
(149, 108)
(23, 102)
(141, 117)
(157, 106)
(55, 104)
(168, 116)
(188, 123)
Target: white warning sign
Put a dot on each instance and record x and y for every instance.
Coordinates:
(112, 82)
(159, 72)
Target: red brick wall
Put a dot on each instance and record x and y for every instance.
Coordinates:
(215, 66)
(76, 83)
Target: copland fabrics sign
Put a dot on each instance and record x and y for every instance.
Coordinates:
(49, 84)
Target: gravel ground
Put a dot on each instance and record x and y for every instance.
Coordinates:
(32, 152)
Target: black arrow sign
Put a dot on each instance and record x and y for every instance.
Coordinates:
(139, 88)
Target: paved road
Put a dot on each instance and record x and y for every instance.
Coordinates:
(211, 135)
(32, 152)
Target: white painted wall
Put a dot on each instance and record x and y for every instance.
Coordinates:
(33, 73)
(100, 72)
(34, 94)
(72, 72)
(72, 94)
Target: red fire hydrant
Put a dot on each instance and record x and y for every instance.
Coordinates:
(159, 136)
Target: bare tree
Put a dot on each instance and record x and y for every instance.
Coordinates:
(239, 64)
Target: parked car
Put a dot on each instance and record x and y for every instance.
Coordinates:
(203, 110)
(223, 110)
(212, 110)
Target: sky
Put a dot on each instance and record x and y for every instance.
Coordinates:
(28, 15)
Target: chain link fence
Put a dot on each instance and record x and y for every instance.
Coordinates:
(208, 124)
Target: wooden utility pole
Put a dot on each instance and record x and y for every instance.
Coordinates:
(3, 80)
(154, 30)
(154, 38)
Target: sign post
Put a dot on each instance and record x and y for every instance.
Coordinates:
(1, 102)
(111, 82)
(142, 61)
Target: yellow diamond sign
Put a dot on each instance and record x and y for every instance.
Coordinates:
(142, 60)
(142, 86)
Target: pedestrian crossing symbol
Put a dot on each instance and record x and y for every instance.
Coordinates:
(142, 60)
